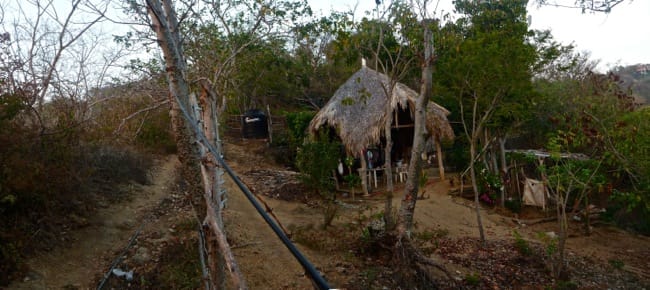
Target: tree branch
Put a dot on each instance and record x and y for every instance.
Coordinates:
(145, 110)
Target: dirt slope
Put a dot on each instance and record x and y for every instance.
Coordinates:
(93, 247)
(267, 264)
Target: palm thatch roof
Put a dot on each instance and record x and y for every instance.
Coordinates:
(358, 110)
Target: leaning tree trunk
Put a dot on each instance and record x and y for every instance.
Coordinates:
(412, 262)
(559, 261)
(169, 42)
(407, 255)
(198, 174)
(407, 208)
(477, 205)
(504, 168)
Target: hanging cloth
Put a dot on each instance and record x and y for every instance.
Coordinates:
(535, 193)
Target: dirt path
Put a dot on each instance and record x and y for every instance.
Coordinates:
(456, 216)
(268, 265)
(265, 262)
(93, 247)
(162, 213)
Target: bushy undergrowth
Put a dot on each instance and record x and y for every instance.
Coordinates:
(316, 160)
(179, 268)
(149, 131)
(44, 184)
(297, 123)
(118, 165)
(49, 176)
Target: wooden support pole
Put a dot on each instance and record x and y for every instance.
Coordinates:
(363, 173)
(269, 124)
(441, 166)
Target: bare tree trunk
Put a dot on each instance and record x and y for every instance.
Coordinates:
(209, 178)
(473, 138)
(502, 153)
(165, 25)
(587, 217)
(504, 168)
(270, 125)
(407, 208)
(477, 205)
(407, 255)
(560, 207)
(493, 160)
(484, 140)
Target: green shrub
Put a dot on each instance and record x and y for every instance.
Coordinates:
(297, 124)
(473, 279)
(316, 161)
(617, 264)
(629, 210)
(514, 205)
(521, 245)
(156, 134)
(180, 267)
(10, 261)
(112, 164)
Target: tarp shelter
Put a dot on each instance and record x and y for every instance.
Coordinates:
(535, 192)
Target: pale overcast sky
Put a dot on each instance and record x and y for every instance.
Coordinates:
(620, 37)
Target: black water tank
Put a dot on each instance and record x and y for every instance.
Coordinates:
(254, 125)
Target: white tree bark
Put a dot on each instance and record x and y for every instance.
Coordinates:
(220, 257)
(407, 208)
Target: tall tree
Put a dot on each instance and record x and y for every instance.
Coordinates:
(164, 23)
(407, 255)
(56, 53)
(387, 42)
(322, 57)
(488, 74)
(407, 208)
(230, 28)
(224, 36)
(605, 6)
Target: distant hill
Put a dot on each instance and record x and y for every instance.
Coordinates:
(637, 77)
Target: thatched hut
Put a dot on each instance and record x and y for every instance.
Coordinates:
(358, 112)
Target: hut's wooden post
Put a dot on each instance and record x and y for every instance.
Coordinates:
(363, 173)
(517, 182)
(441, 166)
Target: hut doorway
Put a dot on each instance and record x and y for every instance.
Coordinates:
(402, 131)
